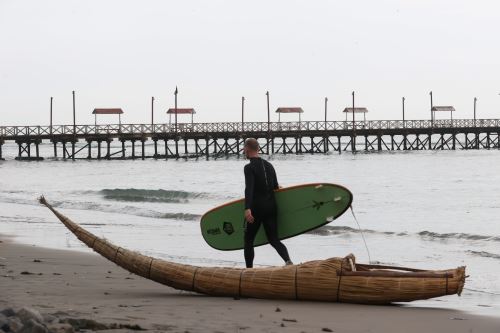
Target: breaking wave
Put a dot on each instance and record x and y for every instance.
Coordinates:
(484, 254)
(100, 207)
(327, 230)
(127, 210)
(142, 195)
(457, 235)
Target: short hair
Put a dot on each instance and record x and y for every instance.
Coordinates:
(252, 144)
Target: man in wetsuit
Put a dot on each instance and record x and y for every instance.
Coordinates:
(260, 204)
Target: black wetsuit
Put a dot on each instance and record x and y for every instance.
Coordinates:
(260, 183)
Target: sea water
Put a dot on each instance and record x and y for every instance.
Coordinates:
(425, 209)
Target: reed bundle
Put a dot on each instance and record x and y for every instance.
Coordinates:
(334, 279)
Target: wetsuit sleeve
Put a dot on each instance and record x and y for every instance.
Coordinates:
(276, 184)
(249, 186)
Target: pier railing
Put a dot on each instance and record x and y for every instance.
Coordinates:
(235, 127)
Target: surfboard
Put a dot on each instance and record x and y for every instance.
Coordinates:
(301, 208)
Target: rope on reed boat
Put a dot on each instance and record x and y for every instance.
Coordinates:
(362, 234)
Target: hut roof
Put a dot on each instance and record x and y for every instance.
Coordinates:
(289, 110)
(443, 108)
(356, 110)
(108, 111)
(181, 111)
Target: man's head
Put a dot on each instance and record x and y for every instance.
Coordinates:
(251, 148)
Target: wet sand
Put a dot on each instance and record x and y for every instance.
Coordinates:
(78, 285)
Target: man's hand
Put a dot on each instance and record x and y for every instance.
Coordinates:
(248, 216)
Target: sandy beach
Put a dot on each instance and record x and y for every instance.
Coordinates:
(69, 284)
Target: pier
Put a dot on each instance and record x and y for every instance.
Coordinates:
(214, 140)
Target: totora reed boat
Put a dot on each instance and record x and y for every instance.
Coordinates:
(333, 280)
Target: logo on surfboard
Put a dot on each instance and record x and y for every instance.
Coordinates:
(228, 228)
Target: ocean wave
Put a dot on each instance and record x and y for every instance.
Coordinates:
(457, 235)
(143, 195)
(127, 210)
(484, 254)
(327, 230)
(99, 207)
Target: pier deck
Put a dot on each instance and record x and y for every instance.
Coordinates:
(191, 140)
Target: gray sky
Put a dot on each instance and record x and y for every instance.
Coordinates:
(120, 53)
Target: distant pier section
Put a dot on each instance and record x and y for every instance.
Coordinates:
(192, 139)
(195, 140)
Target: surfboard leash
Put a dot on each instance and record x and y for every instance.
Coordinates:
(362, 234)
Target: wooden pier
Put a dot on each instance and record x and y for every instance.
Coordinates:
(195, 140)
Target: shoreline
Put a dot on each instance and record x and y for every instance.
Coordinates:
(71, 284)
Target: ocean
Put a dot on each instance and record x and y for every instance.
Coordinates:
(423, 209)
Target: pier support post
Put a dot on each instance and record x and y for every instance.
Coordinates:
(392, 142)
(185, 146)
(55, 148)
(237, 147)
(108, 148)
(64, 150)
(272, 145)
(123, 148)
(366, 142)
(143, 149)
(73, 150)
(133, 149)
(89, 148)
(98, 149)
(176, 147)
(430, 141)
(155, 142)
(37, 149)
(454, 140)
(405, 140)
(339, 144)
(477, 141)
(487, 140)
(379, 142)
(29, 149)
(207, 152)
(325, 144)
(225, 147)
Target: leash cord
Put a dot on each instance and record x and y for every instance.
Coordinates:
(362, 235)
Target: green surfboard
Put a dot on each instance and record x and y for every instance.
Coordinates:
(301, 208)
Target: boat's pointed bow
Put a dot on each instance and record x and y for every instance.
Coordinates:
(460, 279)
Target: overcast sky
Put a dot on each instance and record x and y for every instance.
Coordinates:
(120, 53)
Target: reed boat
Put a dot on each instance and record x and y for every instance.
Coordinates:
(332, 280)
